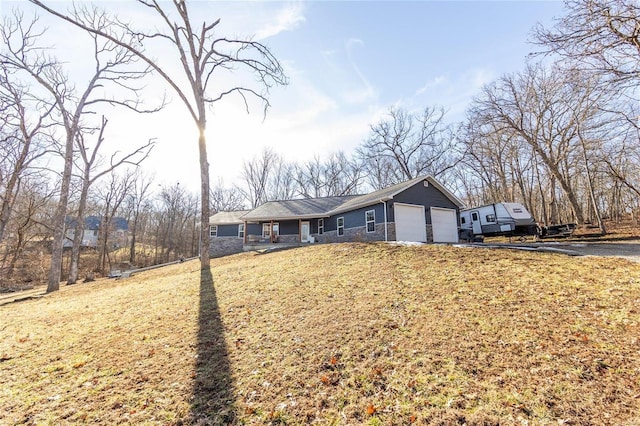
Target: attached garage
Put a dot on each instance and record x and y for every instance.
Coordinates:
(410, 222)
(444, 225)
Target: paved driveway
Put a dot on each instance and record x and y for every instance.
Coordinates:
(629, 250)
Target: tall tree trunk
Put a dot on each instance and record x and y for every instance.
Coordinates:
(204, 196)
(79, 233)
(592, 195)
(59, 217)
(132, 246)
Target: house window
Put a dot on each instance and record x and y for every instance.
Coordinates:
(320, 226)
(276, 229)
(266, 230)
(340, 223)
(370, 218)
(213, 231)
(241, 230)
(491, 218)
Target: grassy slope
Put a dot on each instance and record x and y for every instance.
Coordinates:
(334, 334)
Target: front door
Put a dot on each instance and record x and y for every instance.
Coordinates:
(475, 221)
(304, 232)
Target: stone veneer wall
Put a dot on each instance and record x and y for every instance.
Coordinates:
(223, 246)
(354, 234)
(289, 239)
(360, 234)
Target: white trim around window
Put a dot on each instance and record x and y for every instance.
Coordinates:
(370, 219)
(213, 231)
(320, 226)
(241, 230)
(340, 226)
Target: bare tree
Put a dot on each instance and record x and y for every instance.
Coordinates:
(27, 220)
(23, 54)
(226, 199)
(335, 176)
(89, 159)
(601, 36)
(201, 56)
(258, 175)
(136, 202)
(177, 211)
(112, 195)
(405, 145)
(23, 122)
(538, 106)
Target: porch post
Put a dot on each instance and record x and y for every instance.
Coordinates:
(244, 237)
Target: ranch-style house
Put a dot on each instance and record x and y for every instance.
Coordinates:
(420, 210)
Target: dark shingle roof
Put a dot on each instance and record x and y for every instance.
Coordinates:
(228, 218)
(386, 194)
(293, 209)
(327, 206)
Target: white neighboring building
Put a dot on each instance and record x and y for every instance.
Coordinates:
(118, 235)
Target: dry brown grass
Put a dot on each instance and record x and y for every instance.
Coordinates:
(334, 334)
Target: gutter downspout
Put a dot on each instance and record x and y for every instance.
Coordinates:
(384, 203)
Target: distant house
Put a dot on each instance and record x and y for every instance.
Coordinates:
(420, 210)
(118, 234)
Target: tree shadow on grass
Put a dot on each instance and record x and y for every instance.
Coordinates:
(213, 401)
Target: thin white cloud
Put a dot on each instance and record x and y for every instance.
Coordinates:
(366, 93)
(287, 19)
(433, 83)
(453, 92)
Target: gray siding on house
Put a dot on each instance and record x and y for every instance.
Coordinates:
(427, 196)
(254, 229)
(227, 231)
(289, 227)
(354, 218)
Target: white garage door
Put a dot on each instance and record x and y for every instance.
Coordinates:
(444, 225)
(410, 222)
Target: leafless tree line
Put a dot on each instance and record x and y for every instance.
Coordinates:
(65, 110)
(401, 146)
(562, 135)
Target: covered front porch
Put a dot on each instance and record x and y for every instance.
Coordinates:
(277, 234)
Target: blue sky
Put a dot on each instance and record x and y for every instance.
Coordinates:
(348, 62)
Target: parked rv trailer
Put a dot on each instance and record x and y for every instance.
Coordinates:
(510, 219)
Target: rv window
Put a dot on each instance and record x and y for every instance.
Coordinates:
(463, 220)
(474, 217)
(491, 218)
(517, 210)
